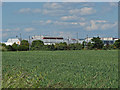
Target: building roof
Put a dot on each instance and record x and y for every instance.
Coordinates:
(11, 40)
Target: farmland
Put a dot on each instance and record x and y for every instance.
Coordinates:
(66, 69)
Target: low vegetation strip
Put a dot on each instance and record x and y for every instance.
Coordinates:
(60, 69)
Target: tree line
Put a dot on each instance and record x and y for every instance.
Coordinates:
(39, 45)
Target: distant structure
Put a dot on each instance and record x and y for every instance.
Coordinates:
(109, 40)
(11, 41)
(49, 40)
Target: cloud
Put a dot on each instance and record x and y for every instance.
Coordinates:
(109, 25)
(113, 4)
(8, 29)
(52, 5)
(29, 29)
(65, 18)
(101, 21)
(55, 12)
(25, 10)
(48, 21)
(37, 10)
(60, 23)
(29, 10)
(100, 24)
(82, 24)
(93, 26)
(42, 22)
(82, 11)
(86, 25)
(65, 34)
(16, 29)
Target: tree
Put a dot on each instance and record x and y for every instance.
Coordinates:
(78, 46)
(3, 44)
(89, 46)
(97, 43)
(61, 46)
(117, 44)
(9, 48)
(15, 47)
(50, 47)
(24, 42)
(38, 45)
(24, 45)
(23, 48)
(72, 46)
(3, 47)
(83, 44)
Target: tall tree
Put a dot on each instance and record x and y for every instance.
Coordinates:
(117, 44)
(97, 43)
(37, 45)
(15, 47)
(24, 45)
(89, 46)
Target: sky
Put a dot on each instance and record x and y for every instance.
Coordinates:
(59, 19)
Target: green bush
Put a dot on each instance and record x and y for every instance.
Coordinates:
(15, 47)
(23, 48)
(2, 48)
(61, 46)
(9, 48)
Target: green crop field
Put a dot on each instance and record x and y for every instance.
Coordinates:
(60, 69)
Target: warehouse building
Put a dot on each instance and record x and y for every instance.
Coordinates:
(108, 40)
(48, 40)
(11, 41)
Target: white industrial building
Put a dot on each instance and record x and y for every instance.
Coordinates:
(48, 40)
(11, 41)
(109, 40)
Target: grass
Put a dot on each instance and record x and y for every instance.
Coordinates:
(60, 69)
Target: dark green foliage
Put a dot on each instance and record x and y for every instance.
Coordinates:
(89, 46)
(72, 46)
(3, 47)
(50, 47)
(83, 44)
(97, 43)
(23, 48)
(108, 47)
(75, 46)
(61, 46)
(37, 45)
(24, 45)
(78, 46)
(9, 48)
(117, 44)
(15, 47)
(24, 42)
